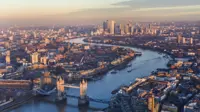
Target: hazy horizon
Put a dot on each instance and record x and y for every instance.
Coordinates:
(46, 12)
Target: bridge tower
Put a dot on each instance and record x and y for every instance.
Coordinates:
(61, 95)
(84, 99)
(45, 79)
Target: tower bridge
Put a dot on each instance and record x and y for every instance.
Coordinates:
(61, 94)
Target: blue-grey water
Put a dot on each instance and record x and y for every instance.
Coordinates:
(101, 89)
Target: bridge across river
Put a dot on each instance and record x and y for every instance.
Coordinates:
(90, 99)
(61, 91)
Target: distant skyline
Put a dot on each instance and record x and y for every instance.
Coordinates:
(43, 12)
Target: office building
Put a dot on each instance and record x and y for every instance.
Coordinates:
(179, 39)
(183, 40)
(105, 26)
(121, 27)
(43, 60)
(111, 27)
(131, 30)
(191, 41)
(150, 26)
(151, 103)
(127, 29)
(7, 57)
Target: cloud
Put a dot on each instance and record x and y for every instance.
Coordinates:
(99, 12)
(136, 10)
(191, 7)
(146, 10)
(136, 4)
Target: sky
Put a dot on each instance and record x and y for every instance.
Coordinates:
(95, 11)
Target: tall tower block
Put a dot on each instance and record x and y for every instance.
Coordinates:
(8, 57)
(179, 39)
(151, 103)
(191, 41)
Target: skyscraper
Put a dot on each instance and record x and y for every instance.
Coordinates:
(127, 29)
(183, 40)
(121, 27)
(105, 26)
(179, 39)
(117, 29)
(131, 29)
(151, 103)
(191, 40)
(8, 57)
(150, 26)
(111, 27)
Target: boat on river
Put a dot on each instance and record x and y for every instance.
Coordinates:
(115, 91)
(129, 65)
(138, 53)
(130, 70)
(113, 72)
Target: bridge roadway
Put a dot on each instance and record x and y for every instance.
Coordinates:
(40, 91)
(71, 86)
(90, 99)
(43, 92)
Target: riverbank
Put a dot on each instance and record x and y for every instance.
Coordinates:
(136, 46)
(166, 80)
(17, 102)
(93, 74)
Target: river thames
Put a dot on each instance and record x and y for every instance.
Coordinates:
(102, 88)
